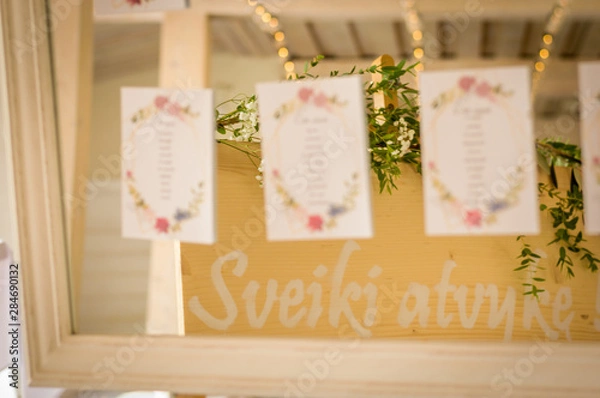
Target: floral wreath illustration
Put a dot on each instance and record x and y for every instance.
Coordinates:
(130, 3)
(314, 222)
(162, 224)
(485, 214)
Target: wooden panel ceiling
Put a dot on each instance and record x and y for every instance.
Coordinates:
(499, 34)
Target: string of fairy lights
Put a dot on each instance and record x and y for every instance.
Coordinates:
(554, 24)
(270, 23)
(414, 25)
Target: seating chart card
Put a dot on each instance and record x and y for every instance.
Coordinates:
(317, 171)
(589, 92)
(479, 163)
(168, 164)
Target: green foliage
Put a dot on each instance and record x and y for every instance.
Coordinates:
(393, 131)
(567, 210)
(565, 214)
(394, 138)
(530, 263)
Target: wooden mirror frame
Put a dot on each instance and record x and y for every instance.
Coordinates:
(249, 366)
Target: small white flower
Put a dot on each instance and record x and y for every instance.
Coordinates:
(251, 105)
(389, 142)
(369, 150)
(259, 178)
(395, 153)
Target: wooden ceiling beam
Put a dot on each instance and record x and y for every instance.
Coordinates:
(386, 9)
(434, 9)
(356, 42)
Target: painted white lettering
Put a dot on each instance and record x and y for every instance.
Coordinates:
(443, 288)
(421, 308)
(219, 284)
(562, 302)
(461, 298)
(339, 301)
(507, 310)
(288, 300)
(258, 321)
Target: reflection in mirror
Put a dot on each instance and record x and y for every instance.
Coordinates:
(121, 285)
(135, 286)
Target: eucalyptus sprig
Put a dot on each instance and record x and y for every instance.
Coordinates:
(565, 215)
(567, 210)
(530, 263)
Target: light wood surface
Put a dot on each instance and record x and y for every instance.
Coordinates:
(184, 62)
(72, 46)
(399, 247)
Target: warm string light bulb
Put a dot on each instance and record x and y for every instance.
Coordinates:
(279, 36)
(540, 66)
(554, 23)
(266, 17)
(414, 27)
(283, 52)
(267, 21)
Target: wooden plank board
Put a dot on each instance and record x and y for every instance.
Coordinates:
(466, 288)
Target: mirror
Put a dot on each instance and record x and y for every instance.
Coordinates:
(205, 361)
(122, 289)
(133, 286)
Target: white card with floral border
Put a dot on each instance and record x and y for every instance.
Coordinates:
(107, 7)
(168, 164)
(316, 166)
(589, 93)
(479, 162)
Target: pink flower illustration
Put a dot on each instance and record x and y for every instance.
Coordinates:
(473, 218)
(321, 100)
(315, 223)
(484, 90)
(129, 174)
(305, 93)
(275, 173)
(466, 82)
(162, 225)
(431, 166)
(174, 109)
(596, 160)
(161, 101)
